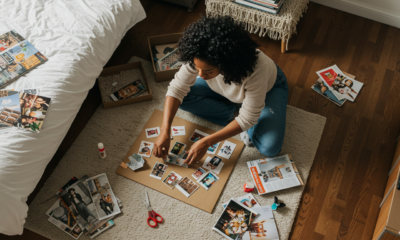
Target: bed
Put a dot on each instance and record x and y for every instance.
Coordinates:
(78, 37)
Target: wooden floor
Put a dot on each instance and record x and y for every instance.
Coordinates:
(348, 178)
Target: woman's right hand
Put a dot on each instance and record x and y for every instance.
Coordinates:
(161, 145)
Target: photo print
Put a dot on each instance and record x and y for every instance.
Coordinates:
(135, 162)
(61, 216)
(152, 132)
(213, 148)
(226, 149)
(177, 160)
(263, 226)
(172, 179)
(248, 200)
(177, 148)
(145, 149)
(105, 202)
(214, 164)
(197, 135)
(187, 186)
(33, 111)
(234, 220)
(208, 180)
(132, 90)
(10, 110)
(178, 131)
(198, 173)
(158, 170)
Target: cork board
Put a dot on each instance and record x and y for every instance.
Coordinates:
(201, 198)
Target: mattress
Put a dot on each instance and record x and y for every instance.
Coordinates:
(78, 37)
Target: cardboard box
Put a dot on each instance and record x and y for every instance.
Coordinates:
(165, 75)
(117, 69)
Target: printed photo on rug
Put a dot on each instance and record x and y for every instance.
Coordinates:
(176, 160)
(132, 90)
(263, 227)
(187, 186)
(158, 170)
(177, 148)
(75, 232)
(145, 149)
(178, 131)
(152, 132)
(248, 200)
(60, 214)
(101, 229)
(213, 149)
(135, 162)
(226, 149)
(103, 197)
(214, 164)
(208, 180)
(33, 111)
(197, 135)
(172, 179)
(199, 172)
(234, 220)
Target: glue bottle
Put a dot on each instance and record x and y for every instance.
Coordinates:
(102, 152)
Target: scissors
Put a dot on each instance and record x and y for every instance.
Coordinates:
(154, 217)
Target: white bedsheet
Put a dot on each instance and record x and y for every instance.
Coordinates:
(78, 37)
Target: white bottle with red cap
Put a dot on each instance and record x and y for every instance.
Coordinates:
(102, 152)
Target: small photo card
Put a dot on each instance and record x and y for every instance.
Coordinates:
(213, 149)
(145, 149)
(197, 135)
(152, 132)
(187, 186)
(178, 131)
(208, 180)
(177, 148)
(158, 170)
(214, 164)
(227, 149)
(172, 179)
(175, 160)
(199, 172)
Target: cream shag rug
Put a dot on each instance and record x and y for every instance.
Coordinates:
(118, 127)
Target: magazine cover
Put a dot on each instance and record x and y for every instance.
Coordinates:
(323, 89)
(61, 215)
(234, 220)
(103, 197)
(273, 174)
(338, 82)
(263, 227)
(33, 111)
(17, 57)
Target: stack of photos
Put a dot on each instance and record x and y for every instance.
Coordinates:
(158, 170)
(208, 180)
(248, 200)
(177, 148)
(130, 91)
(234, 220)
(172, 179)
(101, 229)
(263, 227)
(103, 197)
(33, 111)
(135, 162)
(226, 149)
(17, 57)
(197, 135)
(177, 160)
(187, 186)
(198, 173)
(145, 149)
(152, 132)
(213, 149)
(214, 164)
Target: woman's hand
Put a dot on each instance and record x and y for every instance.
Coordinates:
(197, 152)
(161, 145)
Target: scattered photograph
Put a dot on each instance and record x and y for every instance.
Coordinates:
(214, 164)
(101, 229)
(198, 173)
(103, 197)
(177, 148)
(152, 132)
(145, 149)
(158, 170)
(263, 226)
(208, 180)
(187, 186)
(135, 162)
(33, 111)
(197, 135)
(132, 90)
(213, 149)
(172, 179)
(178, 131)
(248, 200)
(226, 149)
(177, 160)
(62, 215)
(234, 220)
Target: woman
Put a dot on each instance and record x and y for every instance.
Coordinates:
(225, 79)
(80, 206)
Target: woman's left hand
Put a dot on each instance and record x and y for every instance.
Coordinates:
(197, 151)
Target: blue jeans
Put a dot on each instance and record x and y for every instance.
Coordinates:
(267, 135)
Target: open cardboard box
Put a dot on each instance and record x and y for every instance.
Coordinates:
(165, 75)
(117, 69)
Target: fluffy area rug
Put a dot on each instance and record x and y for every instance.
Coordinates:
(118, 128)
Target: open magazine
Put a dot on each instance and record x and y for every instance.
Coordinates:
(263, 227)
(274, 174)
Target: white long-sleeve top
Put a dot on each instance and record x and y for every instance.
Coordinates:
(251, 93)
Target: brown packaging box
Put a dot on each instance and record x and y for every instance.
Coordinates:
(166, 75)
(117, 69)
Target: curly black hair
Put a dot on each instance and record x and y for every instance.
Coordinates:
(221, 42)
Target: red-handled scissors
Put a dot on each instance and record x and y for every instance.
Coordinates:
(154, 217)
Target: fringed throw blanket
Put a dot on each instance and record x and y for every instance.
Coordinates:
(276, 26)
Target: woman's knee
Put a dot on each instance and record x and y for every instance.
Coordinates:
(268, 146)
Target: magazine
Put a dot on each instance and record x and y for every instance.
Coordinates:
(234, 220)
(159, 51)
(75, 232)
(169, 61)
(17, 57)
(61, 215)
(130, 91)
(248, 200)
(323, 89)
(33, 111)
(274, 174)
(101, 229)
(263, 227)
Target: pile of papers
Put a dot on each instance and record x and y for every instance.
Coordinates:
(165, 56)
